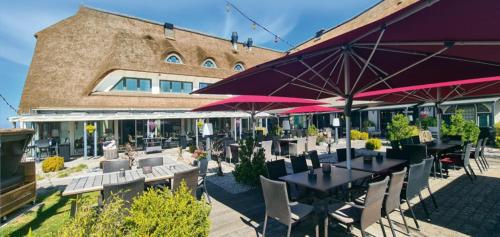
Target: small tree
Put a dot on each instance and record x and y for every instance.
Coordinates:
(312, 130)
(468, 130)
(252, 164)
(399, 128)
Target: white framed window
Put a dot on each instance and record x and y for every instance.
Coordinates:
(173, 58)
(209, 63)
(239, 67)
(133, 84)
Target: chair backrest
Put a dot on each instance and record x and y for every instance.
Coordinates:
(415, 153)
(203, 166)
(428, 162)
(125, 190)
(415, 139)
(393, 199)
(190, 177)
(372, 212)
(268, 145)
(276, 200)
(276, 146)
(313, 156)
(485, 141)
(395, 145)
(234, 153)
(466, 154)
(394, 154)
(109, 166)
(301, 145)
(276, 169)
(478, 148)
(299, 164)
(414, 184)
(341, 154)
(311, 143)
(153, 161)
(406, 141)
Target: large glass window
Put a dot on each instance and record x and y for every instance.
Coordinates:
(203, 85)
(133, 84)
(176, 87)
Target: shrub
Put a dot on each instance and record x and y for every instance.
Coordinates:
(363, 136)
(355, 134)
(427, 122)
(276, 131)
(192, 148)
(263, 129)
(53, 163)
(459, 126)
(399, 128)
(312, 130)
(157, 212)
(497, 129)
(366, 124)
(373, 144)
(497, 141)
(251, 165)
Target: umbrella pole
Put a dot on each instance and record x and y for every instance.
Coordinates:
(438, 120)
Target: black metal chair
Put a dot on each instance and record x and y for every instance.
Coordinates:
(313, 156)
(277, 169)
(461, 159)
(299, 164)
(150, 162)
(394, 154)
(109, 166)
(415, 140)
(415, 153)
(190, 177)
(341, 154)
(124, 190)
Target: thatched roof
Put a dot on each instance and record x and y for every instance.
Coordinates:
(72, 56)
(379, 11)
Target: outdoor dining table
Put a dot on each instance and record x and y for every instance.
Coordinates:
(324, 183)
(436, 150)
(374, 166)
(95, 182)
(286, 141)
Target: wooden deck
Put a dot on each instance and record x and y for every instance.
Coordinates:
(465, 209)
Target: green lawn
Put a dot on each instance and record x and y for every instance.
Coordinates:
(46, 219)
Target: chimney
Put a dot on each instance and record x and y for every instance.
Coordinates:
(249, 44)
(234, 40)
(169, 30)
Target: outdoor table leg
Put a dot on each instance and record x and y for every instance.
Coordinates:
(74, 206)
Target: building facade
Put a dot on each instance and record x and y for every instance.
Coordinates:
(127, 75)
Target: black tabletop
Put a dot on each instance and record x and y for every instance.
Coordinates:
(436, 148)
(338, 176)
(288, 140)
(374, 166)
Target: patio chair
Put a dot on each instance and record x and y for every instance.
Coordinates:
(341, 154)
(190, 177)
(485, 141)
(365, 215)
(109, 166)
(393, 198)
(299, 164)
(267, 145)
(202, 176)
(153, 161)
(313, 156)
(415, 153)
(462, 160)
(428, 163)
(415, 140)
(414, 186)
(125, 190)
(394, 154)
(43, 146)
(277, 169)
(276, 147)
(476, 156)
(234, 154)
(311, 143)
(395, 145)
(279, 208)
(296, 149)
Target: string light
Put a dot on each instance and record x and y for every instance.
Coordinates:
(10, 106)
(277, 38)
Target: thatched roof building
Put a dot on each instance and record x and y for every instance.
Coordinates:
(75, 54)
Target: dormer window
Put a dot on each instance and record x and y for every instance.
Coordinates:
(209, 63)
(239, 67)
(173, 58)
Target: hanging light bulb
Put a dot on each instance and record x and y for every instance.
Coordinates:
(275, 39)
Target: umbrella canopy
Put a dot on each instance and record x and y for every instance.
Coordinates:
(311, 110)
(255, 104)
(436, 93)
(427, 41)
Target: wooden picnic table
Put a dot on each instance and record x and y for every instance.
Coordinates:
(92, 183)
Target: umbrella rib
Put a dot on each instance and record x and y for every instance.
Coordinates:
(370, 64)
(317, 74)
(298, 79)
(481, 87)
(305, 87)
(368, 86)
(359, 66)
(326, 66)
(330, 75)
(368, 59)
(434, 43)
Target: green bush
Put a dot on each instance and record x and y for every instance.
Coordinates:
(399, 128)
(251, 165)
(312, 130)
(363, 136)
(427, 122)
(192, 148)
(355, 134)
(497, 129)
(366, 124)
(373, 144)
(53, 163)
(461, 127)
(276, 131)
(157, 212)
(497, 141)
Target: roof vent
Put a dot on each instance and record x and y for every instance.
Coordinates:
(234, 40)
(169, 30)
(320, 33)
(249, 44)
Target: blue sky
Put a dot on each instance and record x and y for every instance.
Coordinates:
(295, 21)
